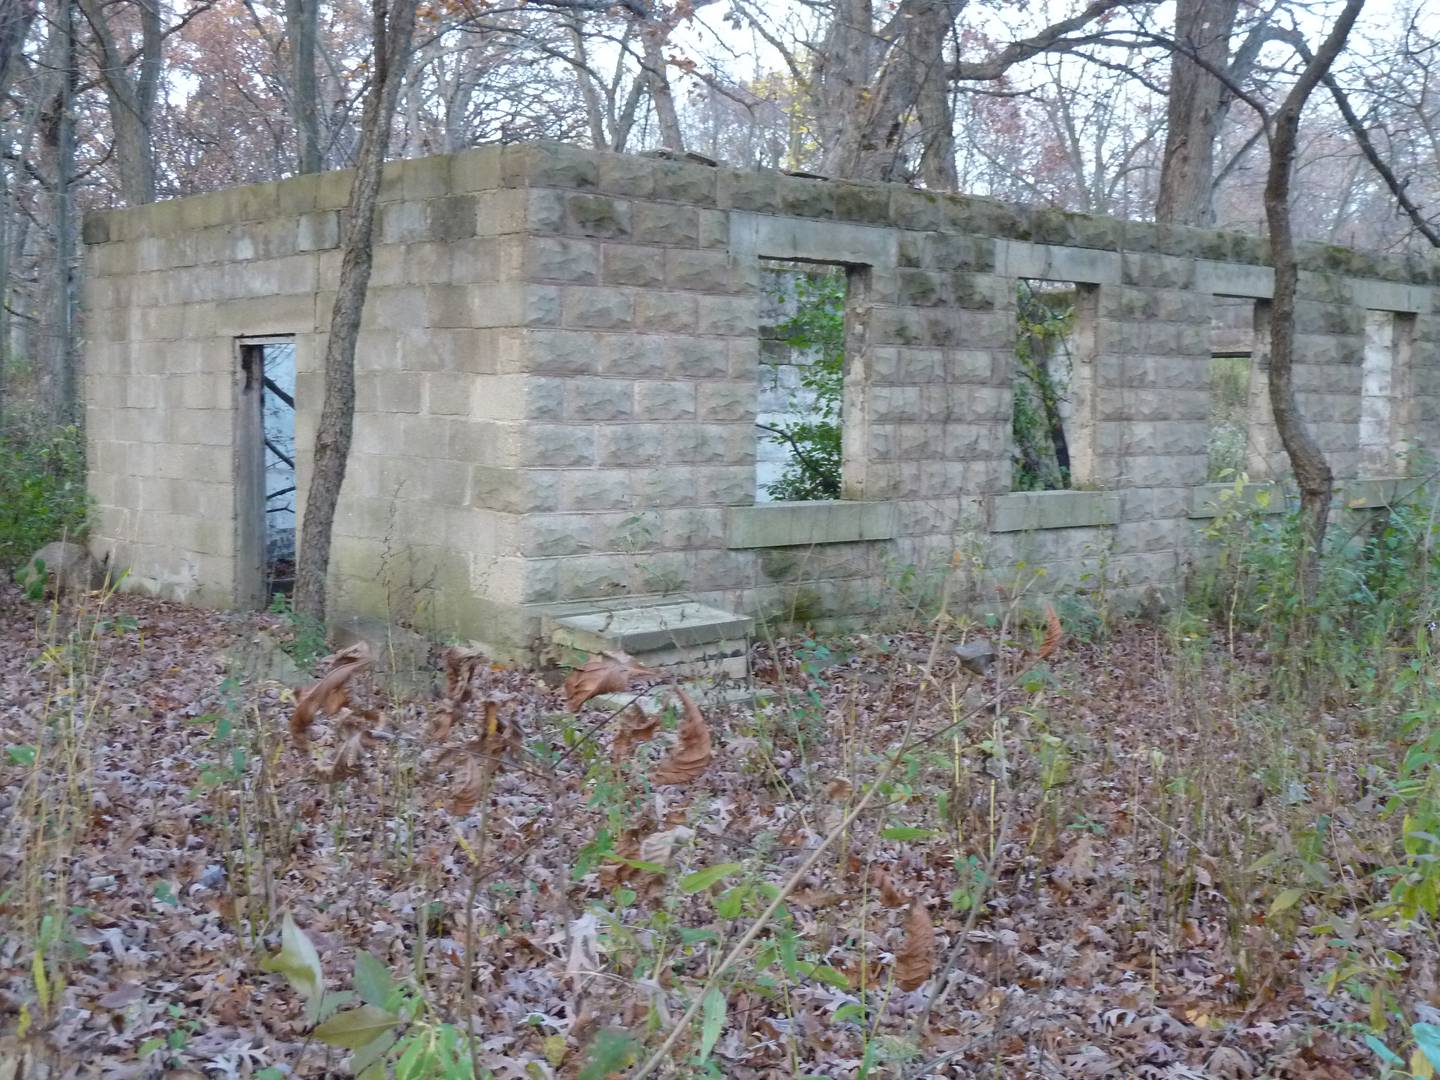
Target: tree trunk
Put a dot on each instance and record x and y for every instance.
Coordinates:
(1307, 460)
(594, 115)
(870, 82)
(935, 108)
(1194, 111)
(131, 100)
(55, 305)
(15, 23)
(392, 30)
(15, 19)
(301, 21)
(652, 36)
(844, 65)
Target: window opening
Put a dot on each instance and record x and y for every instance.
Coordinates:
(1232, 356)
(1051, 420)
(799, 416)
(1388, 341)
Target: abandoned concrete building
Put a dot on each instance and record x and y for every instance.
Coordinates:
(566, 354)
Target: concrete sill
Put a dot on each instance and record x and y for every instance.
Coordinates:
(795, 524)
(1375, 493)
(1028, 511)
(1211, 500)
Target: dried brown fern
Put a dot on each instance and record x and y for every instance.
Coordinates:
(1054, 632)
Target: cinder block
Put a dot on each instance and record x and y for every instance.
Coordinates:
(564, 260)
(628, 264)
(597, 308)
(666, 223)
(727, 400)
(670, 400)
(598, 216)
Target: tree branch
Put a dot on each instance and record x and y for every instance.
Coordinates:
(809, 466)
(1051, 37)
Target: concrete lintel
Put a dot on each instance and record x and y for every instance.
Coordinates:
(1372, 493)
(822, 241)
(1390, 295)
(1234, 279)
(1050, 262)
(1027, 511)
(791, 524)
(1211, 500)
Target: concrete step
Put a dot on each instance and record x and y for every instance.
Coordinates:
(705, 649)
(638, 630)
(707, 695)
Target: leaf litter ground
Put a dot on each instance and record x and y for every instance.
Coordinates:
(1061, 879)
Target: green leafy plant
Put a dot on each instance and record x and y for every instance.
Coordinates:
(394, 1029)
(42, 489)
(307, 640)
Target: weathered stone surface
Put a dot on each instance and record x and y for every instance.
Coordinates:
(558, 378)
(977, 656)
(60, 566)
(401, 657)
(599, 215)
(261, 659)
(1034, 510)
(799, 523)
(651, 629)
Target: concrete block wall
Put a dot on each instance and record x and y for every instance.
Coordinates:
(172, 290)
(557, 385)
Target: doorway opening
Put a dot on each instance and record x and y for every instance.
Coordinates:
(268, 478)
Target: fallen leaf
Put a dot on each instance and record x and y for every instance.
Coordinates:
(890, 896)
(350, 744)
(608, 673)
(459, 669)
(637, 727)
(330, 694)
(659, 848)
(915, 961)
(122, 996)
(692, 753)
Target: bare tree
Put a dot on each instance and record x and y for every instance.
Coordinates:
(1312, 471)
(56, 161)
(392, 29)
(15, 20)
(131, 96)
(870, 81)
(301, 22)
(1194, 108)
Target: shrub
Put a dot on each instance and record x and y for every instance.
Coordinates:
(42, 489)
